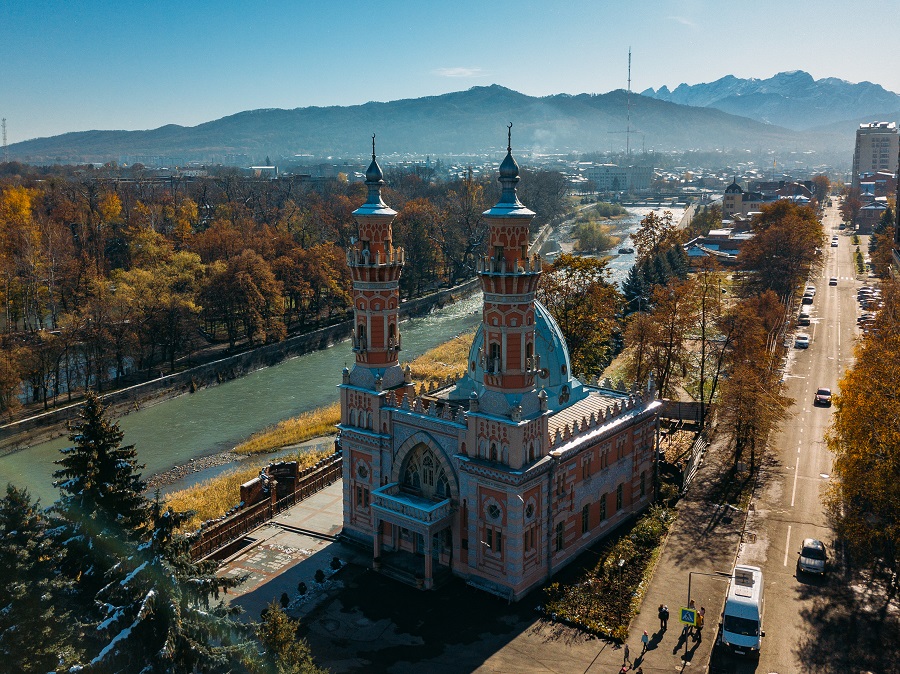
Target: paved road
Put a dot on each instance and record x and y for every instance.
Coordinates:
(789, 507)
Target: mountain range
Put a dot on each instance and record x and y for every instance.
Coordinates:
(790, 99)
(779, 114)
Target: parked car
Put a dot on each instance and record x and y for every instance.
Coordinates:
(842, 226)
(807, 299)
(823, 397)
(813, 557)
(810, 290)
(832, 281)
(801, 341)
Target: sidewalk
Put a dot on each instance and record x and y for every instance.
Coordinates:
(703, 539)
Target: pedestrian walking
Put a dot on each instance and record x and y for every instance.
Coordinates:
(701, 616)
(645, 640)
(626, 660)
(663, 617)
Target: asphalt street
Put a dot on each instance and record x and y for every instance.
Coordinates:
(789, 506)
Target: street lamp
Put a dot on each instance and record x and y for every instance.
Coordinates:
(621, 563)
(714, 574)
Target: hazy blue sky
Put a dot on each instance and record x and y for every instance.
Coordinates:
(128, 64)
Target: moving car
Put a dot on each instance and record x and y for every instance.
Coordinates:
(832, 281)
(812, 557)
(741, 631)
(801, 341)
(823, 397)
(834, 243)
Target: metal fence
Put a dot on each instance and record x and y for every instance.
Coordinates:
(216, 536)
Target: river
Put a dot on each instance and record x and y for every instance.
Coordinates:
(214, 419)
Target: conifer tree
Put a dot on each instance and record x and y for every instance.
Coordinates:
(33, 626)
(278, 634)
(161, 615)
(103, 512)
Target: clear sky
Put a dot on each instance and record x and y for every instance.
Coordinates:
(75, 65)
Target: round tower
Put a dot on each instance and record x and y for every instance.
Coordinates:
(509, 279)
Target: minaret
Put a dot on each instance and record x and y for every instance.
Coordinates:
(509, 280)
(375, 267)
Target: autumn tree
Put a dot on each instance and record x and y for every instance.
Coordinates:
(656, 234)
(578, 293)
(851, 204)
(784, 248)
(865, 438)
(415, 227)
(821, 187)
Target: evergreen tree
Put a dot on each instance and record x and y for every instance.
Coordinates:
(103, 512)
(635, 290)
(101, 488)
(161, 616)
(661, 272)
(678, 262)
(278, 634)
(33, 627)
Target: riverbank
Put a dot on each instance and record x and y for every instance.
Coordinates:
(44, 426)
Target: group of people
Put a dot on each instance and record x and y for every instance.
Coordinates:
(663, 615)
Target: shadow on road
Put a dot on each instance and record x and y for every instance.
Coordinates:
(850, 629)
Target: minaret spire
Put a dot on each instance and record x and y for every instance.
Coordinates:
(375, 266)
(509, 280)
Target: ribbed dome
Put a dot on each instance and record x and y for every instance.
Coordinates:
(550, 344)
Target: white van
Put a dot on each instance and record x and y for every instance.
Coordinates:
(741, 630)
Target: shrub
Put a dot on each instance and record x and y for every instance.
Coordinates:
(320, 576)
(335, 563)
(301, 588)
(285, 600)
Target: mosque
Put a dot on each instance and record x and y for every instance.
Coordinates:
(504, 475)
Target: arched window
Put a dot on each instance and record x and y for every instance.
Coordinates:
(392, 336)
(493, 452)
(494, 362)
(425, 475)
(353, 417)
(361, 336)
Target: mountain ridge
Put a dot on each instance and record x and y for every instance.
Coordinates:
(469, 121)
(792, 99)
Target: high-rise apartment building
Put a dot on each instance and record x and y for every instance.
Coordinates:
(877, 145)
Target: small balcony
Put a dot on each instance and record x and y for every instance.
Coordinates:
(391, 500)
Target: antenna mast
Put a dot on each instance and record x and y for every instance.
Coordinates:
(628, 108)
(5, 148)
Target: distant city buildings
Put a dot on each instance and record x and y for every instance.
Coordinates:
(877, 145)
(614, 178)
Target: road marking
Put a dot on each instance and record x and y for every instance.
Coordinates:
(796, 472)
(787, 545)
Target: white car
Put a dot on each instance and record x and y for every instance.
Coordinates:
(801, 341)
(810, 290)
(812, 556)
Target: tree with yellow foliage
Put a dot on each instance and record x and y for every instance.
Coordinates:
(863, 498)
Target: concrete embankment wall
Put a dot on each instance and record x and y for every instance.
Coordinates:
(50, 424)
(688, 216)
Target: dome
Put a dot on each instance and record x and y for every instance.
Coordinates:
(562, 389)
(509, 169)
(374, 173)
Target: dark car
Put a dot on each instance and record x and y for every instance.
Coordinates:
(823, 397)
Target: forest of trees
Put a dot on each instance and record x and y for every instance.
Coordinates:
(102, 276)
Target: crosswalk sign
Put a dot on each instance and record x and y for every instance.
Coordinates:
(688, 615)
